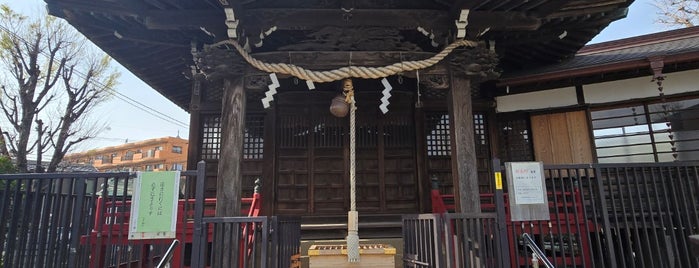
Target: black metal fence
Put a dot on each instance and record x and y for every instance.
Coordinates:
(652, 211)
(247, 242)
(473, 240)
(423, 241)
(620, 215)
(82, 220)
(452, 240)
(602, 215)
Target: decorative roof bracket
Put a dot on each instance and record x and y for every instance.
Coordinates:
(656, 65)
(232, 23)
(461, 24)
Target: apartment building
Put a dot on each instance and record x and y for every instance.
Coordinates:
(160, 154)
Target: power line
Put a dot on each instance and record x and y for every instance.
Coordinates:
(141, 105)
(118, 95)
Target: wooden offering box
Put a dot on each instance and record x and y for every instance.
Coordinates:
(371, 255)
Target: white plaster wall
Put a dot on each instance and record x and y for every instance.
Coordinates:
(642, 87)
(559, 97)
(621, 90)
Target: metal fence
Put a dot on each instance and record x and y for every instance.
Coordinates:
(82, 220)
(602, 215)
(247, 242)
(473, 240)
(652, 211)
(620, 215)
(452, 240)
(423, 243)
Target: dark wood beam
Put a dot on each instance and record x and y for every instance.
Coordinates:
(185, 19)
(458, 5)
(549, 6)
(612, 10)
(118, 8)
(151, 37)
(303, 19)
(334, 59)
(300, 19)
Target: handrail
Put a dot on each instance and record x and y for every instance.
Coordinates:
(168, 254)
(536, 252)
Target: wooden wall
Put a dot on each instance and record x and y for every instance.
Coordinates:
(562, 138)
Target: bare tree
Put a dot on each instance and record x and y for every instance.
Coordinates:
(47, 64)
(682, 13)
(3, 146)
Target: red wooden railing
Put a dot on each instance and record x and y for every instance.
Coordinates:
(567, 218)
(112, 226)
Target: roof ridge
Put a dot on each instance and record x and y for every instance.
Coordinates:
(641, 40)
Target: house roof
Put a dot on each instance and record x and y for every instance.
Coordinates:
(63, 167)
(671, 47)
(152, 38)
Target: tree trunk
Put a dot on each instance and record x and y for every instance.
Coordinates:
(3, 146)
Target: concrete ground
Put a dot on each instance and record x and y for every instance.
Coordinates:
(395, 242)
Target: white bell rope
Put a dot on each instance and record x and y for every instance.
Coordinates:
(353, 215)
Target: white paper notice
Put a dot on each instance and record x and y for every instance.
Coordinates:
(528, 183)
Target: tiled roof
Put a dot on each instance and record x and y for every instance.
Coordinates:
(640, 48)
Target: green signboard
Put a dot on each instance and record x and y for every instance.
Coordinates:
(154, 205)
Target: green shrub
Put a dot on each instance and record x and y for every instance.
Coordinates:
(6, 165)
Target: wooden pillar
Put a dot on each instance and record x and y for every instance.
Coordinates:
(229, 179)
(269, 172)
(463, 148)
(193, 155)
(421, 158)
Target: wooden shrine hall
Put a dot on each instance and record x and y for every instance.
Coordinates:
(258, 78)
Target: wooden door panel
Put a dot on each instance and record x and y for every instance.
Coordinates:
(555, 143)
(328, 181)
(292, 182)
(313, 159)
(368, 185)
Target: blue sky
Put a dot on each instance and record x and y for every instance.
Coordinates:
(128, 123)
(125, 122)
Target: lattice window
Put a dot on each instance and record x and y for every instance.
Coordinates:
(253, 143)
(253, 140)
(293, 131)
(328, 131)
(438, 137)
(481, 138)
(398, 131)
(210, 137)
(367, 130)
(515, 139)
(479, 129)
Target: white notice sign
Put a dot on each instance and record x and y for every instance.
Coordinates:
(528, 183)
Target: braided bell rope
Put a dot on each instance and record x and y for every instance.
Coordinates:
(348, 71)
(353, 145)
(352, 232)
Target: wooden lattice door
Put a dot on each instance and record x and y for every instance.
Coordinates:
(386, 173)
(313, 157)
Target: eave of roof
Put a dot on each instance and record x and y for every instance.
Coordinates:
(671, 47)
